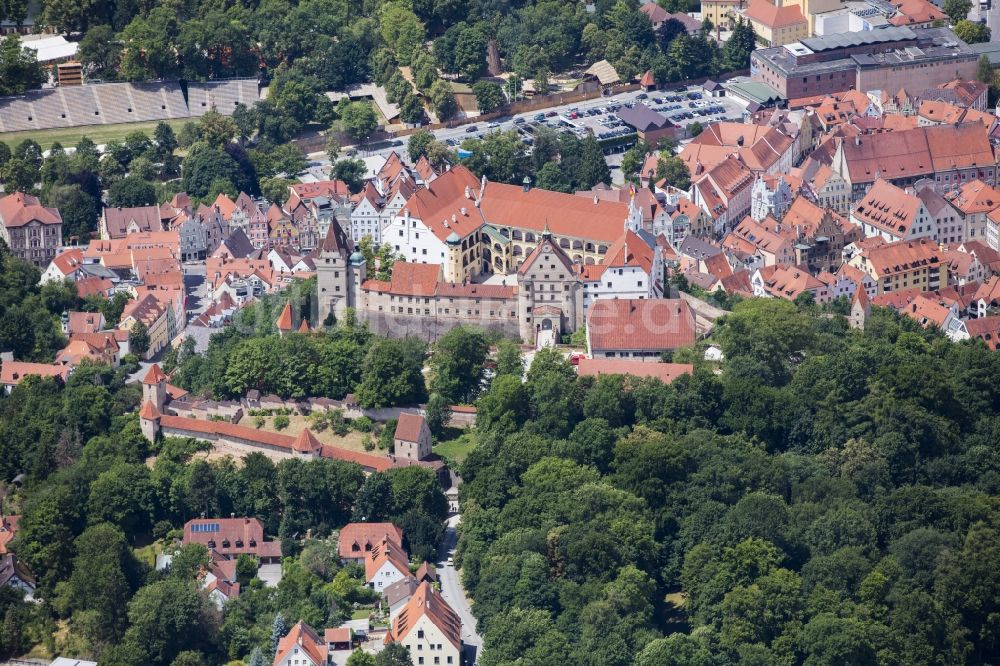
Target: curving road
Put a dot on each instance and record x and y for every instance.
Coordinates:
(454, 593)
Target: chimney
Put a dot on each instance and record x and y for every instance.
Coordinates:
(857, 140)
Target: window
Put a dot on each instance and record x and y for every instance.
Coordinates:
(420, 633)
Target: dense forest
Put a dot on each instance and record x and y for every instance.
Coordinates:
(830, 498)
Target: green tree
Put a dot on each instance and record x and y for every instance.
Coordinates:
(358, 120)
(216, 129)
(123, 496)
(443, 100)
(103, 579)
(673, 169)
(437, 413)
(552, 177)
(489, 96)
(633, 158)
(100, 53)
(695, 128)
(418, 143)
(332, 146)
(972, 32)
(737, 49)
(166, 618)
(457, 364)
(394, 654)
(131, 191)
(984, 70)
(19, 68)
(957, 10)
(352, 172)
(138, 339)
(361, 658)
(392, 374)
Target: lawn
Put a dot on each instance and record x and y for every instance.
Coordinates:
(352, 441)
(99, 134)
(458, 448)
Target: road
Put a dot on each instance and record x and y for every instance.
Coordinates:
(454, 593)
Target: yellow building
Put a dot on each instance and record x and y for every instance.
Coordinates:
(907, 264)
(776, 25)
(721, 13)
(810, 8)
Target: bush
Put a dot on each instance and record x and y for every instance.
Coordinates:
(280, 422)
(258, 422)
(161, 529)
(363, 424)
(369, 444)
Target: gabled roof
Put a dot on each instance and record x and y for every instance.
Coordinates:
(149, 412)
(986, 329)
(425, 602)
(401, 590)
(146, 218)
(304, 637)
(546, 246)
(888, 208)
(903, 256)
(975, 196)
(409, 427)
(788, 282)
(386, 551)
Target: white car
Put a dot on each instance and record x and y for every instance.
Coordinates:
(493, 124)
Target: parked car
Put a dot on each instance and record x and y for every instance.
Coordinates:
(493, 124)
(539, 116)
(642, 96)
(470, 129)
(518, 121)
(551, 114)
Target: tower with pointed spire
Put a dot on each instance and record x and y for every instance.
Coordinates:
(340, 270)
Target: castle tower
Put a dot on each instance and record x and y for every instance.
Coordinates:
(149, 421)
(154, 387)
(453, 266)
(334, 275)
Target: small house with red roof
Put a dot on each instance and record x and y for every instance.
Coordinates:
(412, 439)
(386, 563)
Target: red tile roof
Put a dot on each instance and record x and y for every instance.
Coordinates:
(986, 329)
(388, 550)
(18, 209)
(665, 372)
(425, 602)
(409, 427)
(284, 322)
(306, 442)
(231, 536)
(154, 375)
(13, 373)
(888, 208)
(266, 438)
(356, 539)
(304, 637)
(640, 324)
(773, 17)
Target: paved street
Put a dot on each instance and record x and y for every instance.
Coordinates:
(454, 594)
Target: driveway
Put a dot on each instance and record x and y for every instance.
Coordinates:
(454, 593)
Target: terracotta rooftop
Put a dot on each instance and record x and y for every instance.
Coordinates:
(18, 209)
(888, 208)
(390, 551)
(986, 329)
(408, 427)
(284, 322)
(767, 14)
(425, 602)
(903, 256)
(356, 539)
(640, 324)
(13, 372)
(303, 637)
(665, 372)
